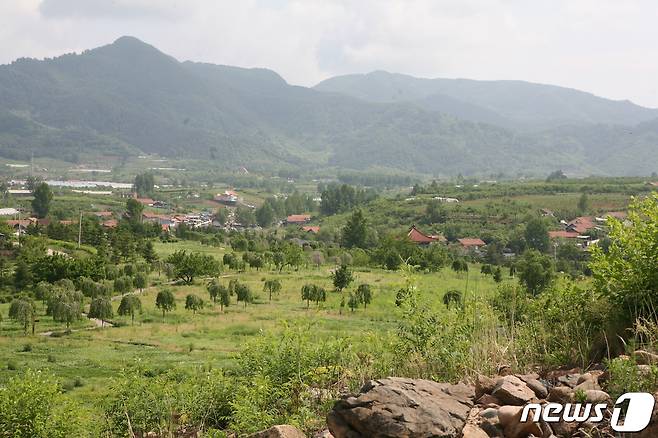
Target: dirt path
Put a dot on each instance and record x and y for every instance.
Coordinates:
(97, 324)
(100, 324)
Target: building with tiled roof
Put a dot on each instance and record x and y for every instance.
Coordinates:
(298, 219)
(417, 236)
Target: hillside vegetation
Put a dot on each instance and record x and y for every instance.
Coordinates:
(128, 98)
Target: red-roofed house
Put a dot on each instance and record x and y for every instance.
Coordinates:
(311, 229)
(229, 197)
(562, 234)
(160, 219)
(474, 244)
(22, 223)
(581, 224)
(112, 223)
(298, 219)
(417, 236)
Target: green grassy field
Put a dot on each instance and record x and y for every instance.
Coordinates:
(92, 356)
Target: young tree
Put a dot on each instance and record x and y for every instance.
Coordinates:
(364, 294)
(342, 278)
(193, 303)
(459, 265)
(279, 260)
(101, 308)
(498, 275)
(244, 293)
(144, 184)
(188, 266)
(148, 252)
(123, 284)
(355, 231)
(353, 302)
(213, 288)
(272, 287)
(42, 291)
(319, 295)
(627, 272)
(452, 297)
(308, 293)
(264, 215)
(130, 305)
(256, 261)
(88, 287)
(65, 304)
(536, 235)
(294, 256)
(134, 210)
(104, 288)
(165, 301)
(245, 215)
(224, 297)
(535, 271)
(43, 196)
(22, 311)
(140, 281)
(22, 274)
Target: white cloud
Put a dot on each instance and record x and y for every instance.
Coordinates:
(603, 46)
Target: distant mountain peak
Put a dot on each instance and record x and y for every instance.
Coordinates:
(128, 40)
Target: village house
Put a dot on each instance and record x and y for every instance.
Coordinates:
(229, 197)
(562, 234)
(160, 219)
(581, 225)
(471, 244)
(311, 229)
(19, 224)
(112, 223)
(420, 238)
(298, 219)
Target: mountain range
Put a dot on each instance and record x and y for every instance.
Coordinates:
(128, 98)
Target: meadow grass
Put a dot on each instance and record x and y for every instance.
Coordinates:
(211, 337)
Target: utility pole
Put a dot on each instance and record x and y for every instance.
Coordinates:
(80, 230)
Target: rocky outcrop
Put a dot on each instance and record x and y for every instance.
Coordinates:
(398, 407)
(283, 431)
(491, 408)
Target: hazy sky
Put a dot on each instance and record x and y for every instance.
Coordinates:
(608, 47)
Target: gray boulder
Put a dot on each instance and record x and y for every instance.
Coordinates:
(399, 407)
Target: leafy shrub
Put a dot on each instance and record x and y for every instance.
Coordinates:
(31, 405)
(626, 376)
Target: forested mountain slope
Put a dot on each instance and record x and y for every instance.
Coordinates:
(128, 98)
